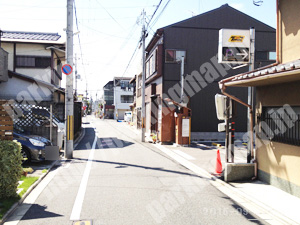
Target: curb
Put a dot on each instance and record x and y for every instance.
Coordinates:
(15, 206)
(255, 206)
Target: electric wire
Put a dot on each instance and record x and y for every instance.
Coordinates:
(131, 58)
(76, 19)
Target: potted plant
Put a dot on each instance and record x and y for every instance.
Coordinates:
(26, 171)
(154, 137)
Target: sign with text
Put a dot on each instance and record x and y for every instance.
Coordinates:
(234, 46)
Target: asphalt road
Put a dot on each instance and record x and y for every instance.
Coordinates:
(127, 182)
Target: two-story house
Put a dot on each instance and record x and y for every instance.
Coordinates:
(123, 96)
(34, 67)
(108, 96)
(277, 127)
(197, 40)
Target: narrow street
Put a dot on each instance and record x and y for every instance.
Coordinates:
(116, 179)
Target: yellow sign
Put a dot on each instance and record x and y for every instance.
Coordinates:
(82, 222)
(236, 38)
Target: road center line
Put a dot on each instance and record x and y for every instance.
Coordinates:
(75, 215)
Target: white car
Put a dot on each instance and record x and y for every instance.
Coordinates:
(127, 116)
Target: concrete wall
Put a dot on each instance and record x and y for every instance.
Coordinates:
(289, 30)
(279, 163)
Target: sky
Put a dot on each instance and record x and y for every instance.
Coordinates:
(111, 30)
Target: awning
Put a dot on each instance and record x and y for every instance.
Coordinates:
(269, 75)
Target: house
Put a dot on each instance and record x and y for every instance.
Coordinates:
(34, 67)
(277, 126)
(136, 106)
(32, 81)
(197, 40)
(123, 96)
(108, 96)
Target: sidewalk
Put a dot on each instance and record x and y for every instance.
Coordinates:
(271, 204)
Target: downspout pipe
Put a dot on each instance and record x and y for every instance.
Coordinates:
(253, 154)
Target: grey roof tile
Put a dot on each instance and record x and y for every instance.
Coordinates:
(30, 35)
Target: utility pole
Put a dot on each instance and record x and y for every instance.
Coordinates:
(250, 92)
(143, 77)
(69, 85)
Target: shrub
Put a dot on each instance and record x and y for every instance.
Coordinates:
(10, 168)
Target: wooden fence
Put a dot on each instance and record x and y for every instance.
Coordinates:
(6, 121)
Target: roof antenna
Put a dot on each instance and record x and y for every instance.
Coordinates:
(258, 3)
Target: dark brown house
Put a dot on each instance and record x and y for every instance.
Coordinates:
(197, 39)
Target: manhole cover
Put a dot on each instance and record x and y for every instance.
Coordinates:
(83, 222)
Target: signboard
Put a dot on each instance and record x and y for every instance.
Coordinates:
(185, 127)
(67, 69)
(234, 46)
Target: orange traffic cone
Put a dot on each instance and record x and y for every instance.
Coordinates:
(218, 163)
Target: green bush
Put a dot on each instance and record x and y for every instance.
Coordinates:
(10, 168)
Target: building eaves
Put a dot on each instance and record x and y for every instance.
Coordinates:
(256, 77)
(32, 36)
(30, 79)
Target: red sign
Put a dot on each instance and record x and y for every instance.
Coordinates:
(67, 69)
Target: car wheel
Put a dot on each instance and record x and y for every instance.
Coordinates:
(25, 155)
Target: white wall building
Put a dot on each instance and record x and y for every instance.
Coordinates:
(34, 66)
(123, 96)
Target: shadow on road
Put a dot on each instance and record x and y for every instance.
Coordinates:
(121, 165)
(38, 212)
(102, 143)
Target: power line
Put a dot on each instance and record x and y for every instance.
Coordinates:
(80, 45)
(156, 19)
(146, 29)
(109, 14)
(131, 58)
(155, 11)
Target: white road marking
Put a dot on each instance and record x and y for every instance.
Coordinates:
(75, 215)
(184, 155)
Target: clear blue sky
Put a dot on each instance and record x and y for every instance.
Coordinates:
(109, 31)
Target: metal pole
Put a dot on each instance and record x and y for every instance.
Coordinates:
(75, 76)
(227, 141)
(69, 85)
(182, 80)
(250, 93)
(51, 122)
(143, 78)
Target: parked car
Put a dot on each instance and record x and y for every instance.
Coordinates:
(33, 146)
(127, 116)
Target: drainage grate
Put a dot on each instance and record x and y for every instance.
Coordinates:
(83, 222)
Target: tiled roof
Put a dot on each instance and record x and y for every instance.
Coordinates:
(30, 35)
(265, 71)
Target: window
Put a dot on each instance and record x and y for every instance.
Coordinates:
(272, 56)
(280, 124)
(126, 98)
(33, 61)
(173, 56)
(151, 64)
(265, 56)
